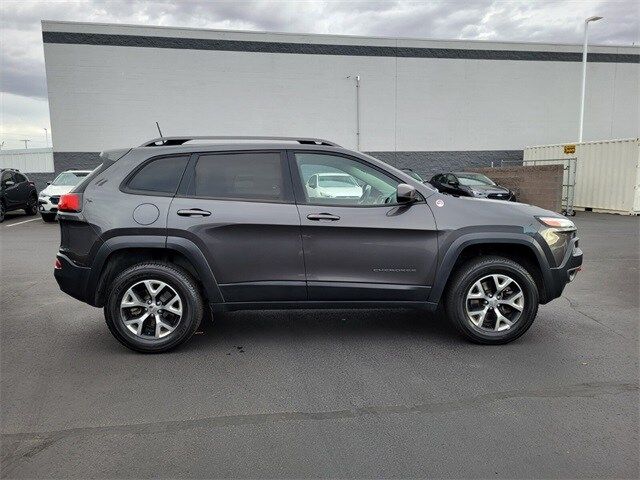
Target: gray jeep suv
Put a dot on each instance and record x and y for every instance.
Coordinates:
(160, 232)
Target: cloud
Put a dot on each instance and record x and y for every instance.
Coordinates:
(559, 21)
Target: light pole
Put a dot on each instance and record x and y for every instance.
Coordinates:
(584, 71)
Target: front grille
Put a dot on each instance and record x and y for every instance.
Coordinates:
(498, 196)
(54, 200)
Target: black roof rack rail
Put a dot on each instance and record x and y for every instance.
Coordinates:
(168, 141)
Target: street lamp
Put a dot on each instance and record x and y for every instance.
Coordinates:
(584, 71)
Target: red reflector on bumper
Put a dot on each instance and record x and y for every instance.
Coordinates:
(57, 264)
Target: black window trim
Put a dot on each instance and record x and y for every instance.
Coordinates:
(124, 185)
(298, 188)
(186, 186)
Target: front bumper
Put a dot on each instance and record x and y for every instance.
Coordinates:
(72, 279)
(48, 204)
(566, 272)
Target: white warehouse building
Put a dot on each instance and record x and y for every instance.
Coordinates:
(424, 104)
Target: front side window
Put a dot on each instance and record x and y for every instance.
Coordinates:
(69, 179)
(243, 176)
(160, 176)
(337, 180)
(19, 178)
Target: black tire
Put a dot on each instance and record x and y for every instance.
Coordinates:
(48, 217)
(463, 280)
(2, 212)
(32, 206)
(177, 279)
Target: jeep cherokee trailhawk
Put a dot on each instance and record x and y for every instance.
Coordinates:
(159, 233)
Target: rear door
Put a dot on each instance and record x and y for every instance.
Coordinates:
(239, 208)
(361, 245)
(23, 189)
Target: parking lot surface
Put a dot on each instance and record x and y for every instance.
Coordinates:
(322, 393)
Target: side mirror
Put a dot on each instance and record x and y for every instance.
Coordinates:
(406, 193)
(48, 183)
(453, 183)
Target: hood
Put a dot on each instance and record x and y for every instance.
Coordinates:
(502, 207)
(487, 189)
(57, 189)
(343, 191)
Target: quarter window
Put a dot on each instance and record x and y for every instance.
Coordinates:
(243, 175)
(337, 180)
(160, 176)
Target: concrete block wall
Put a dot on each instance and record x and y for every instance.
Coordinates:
(536, 185)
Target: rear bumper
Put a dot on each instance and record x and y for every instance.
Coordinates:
(72, 279)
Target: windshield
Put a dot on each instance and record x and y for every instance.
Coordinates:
(337, 181)
(474, 180)
(69, 179)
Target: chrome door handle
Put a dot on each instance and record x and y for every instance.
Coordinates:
(193, 212)
(323, 216)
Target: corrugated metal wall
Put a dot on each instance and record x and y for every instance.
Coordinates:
(607, 176)
(33, 160)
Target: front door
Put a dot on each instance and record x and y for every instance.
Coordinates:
(239, 207)
(359, 244)
(11, 190)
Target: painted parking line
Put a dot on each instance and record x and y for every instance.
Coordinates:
(20, 223)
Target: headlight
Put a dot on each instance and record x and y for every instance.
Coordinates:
(559, 223)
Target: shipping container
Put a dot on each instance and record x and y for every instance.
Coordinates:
(32, 160)
(607, 173)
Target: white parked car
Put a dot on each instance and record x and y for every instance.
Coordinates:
(49, 197)
(333, 185)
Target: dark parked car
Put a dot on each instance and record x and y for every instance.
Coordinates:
(161, 232)
(466, 184)
(17, 193)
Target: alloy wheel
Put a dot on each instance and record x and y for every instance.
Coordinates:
(494, 303)
(151, 309)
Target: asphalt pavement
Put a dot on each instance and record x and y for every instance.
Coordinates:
(335, 393)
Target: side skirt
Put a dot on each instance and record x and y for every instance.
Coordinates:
(316, 305)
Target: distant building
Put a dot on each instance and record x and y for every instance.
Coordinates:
(424, 104)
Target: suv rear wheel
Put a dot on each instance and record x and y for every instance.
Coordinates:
(153, 307)
(32, 205)
(492, 300)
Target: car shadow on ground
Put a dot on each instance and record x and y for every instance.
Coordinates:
(303, 327)
(317, 325)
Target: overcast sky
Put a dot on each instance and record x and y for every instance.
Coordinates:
(24, 108)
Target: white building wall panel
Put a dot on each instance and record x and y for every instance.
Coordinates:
(33, 160)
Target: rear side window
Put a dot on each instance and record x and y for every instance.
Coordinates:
(159, 176)
(244, 176)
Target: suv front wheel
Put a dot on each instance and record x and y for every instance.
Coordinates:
(153, 307)
(492, 300)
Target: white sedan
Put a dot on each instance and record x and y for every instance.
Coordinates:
(333, 185)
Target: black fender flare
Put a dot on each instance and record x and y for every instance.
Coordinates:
(181, 245)
(477, 238)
